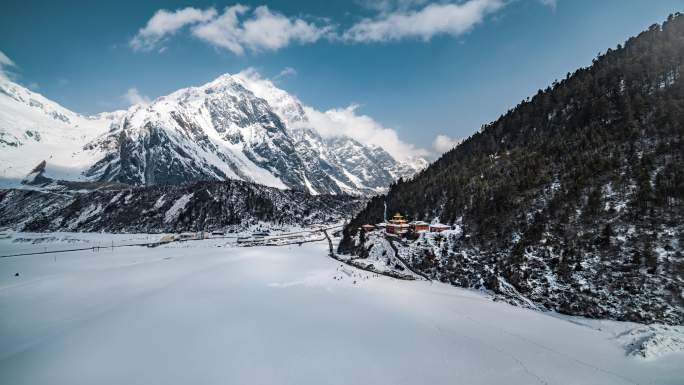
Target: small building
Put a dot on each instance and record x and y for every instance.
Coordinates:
(398, 225)
(381, 226)
(188, 236)
(439, 227)
(368, 228)
(417, 226)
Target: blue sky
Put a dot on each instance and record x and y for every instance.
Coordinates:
(419, 67)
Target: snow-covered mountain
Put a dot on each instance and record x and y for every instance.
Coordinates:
(235, 127)
(35, 129)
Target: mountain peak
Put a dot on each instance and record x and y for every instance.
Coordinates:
(237, 126)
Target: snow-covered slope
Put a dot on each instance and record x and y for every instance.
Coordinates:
(235, 127)
(195, 313)
(33, 129)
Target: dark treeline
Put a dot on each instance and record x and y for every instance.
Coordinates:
(226, 205)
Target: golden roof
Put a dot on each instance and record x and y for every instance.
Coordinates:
(398, 219)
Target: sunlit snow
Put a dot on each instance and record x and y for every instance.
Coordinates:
(197, 313)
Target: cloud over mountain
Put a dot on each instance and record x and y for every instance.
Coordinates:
(444, 143)
(343, 122)
(133, 96)
(5, 62)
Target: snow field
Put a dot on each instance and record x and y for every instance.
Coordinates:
(276, 315)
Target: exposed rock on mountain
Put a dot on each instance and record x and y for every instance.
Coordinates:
(235, 127)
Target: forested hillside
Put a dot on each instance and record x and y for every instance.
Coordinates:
(229, 205)
(575, 197)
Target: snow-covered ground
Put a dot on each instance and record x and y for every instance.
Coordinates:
(196, 313)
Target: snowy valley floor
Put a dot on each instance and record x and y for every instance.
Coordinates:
(196, 313)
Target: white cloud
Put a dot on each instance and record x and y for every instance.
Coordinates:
(133, 96)
(164, 23)
(550, 3)
(268, 30)
(240, 28)
(391, 5)
(223, 30)
(236, 29)
(431, 20)
(7, 67)
(263, 30)
(287, 71)
(363, 128)
(443, 143)
(336, 122)
(5, 62)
